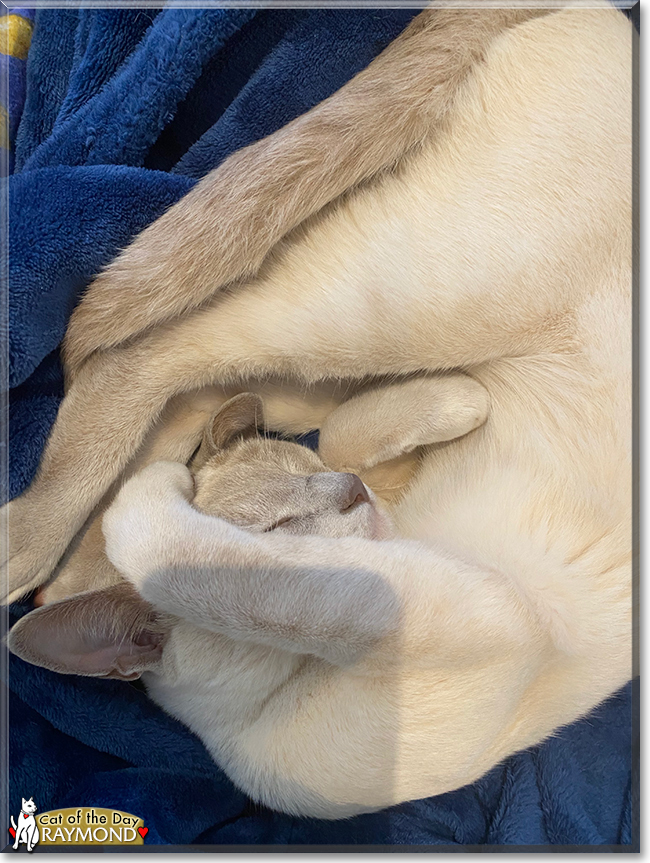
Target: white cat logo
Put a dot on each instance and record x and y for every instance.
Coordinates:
(27, 828)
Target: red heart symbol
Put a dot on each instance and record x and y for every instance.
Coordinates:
(13, 832)
(143, 831)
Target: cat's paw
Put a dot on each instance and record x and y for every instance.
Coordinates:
(146, 512)
(30, 553)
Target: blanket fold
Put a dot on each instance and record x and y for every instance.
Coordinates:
(124, 110)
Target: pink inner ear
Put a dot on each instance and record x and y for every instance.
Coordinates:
(107, 632)
(102, 660)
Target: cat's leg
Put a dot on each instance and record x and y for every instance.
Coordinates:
(85, 566)
(264, 191)
(174, 438)
(269, 589)
(224, 228)
(388, 421)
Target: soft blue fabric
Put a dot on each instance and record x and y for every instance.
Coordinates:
(124, 110)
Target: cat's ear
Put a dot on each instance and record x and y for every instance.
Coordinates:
(238, 418)
(25, 802)
(103, 633)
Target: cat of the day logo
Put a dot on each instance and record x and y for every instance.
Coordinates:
(88, 825)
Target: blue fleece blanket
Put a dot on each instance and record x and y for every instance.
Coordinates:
(124, 110)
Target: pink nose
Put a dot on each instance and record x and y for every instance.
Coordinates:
(39, 598)
(355, 493)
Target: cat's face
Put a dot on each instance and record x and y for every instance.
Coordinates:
(29, 806)
(275, 486)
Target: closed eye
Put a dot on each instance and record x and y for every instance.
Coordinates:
(278, 523)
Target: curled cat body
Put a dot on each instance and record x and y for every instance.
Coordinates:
(498, 248)
(244, 682)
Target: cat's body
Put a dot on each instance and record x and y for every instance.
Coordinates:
(228, 684)
(502, 247)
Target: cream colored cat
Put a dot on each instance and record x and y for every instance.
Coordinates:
(195, 655)
(399, 418)
(501, 246)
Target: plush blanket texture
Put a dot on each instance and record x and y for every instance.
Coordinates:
(124, 110)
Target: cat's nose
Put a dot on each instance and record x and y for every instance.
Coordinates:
(354, 492)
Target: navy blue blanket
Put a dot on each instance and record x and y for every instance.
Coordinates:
(124, 110)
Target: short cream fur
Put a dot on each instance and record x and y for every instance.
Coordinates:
(500, 245)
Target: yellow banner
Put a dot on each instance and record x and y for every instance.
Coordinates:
(90, 826)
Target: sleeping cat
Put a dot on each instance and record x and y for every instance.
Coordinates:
(494, 237)
(400, 418)
(225, 672)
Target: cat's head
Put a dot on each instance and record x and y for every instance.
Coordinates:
(29, 807)
(265, 485)
(259, 484)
